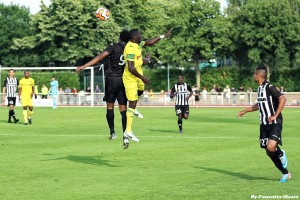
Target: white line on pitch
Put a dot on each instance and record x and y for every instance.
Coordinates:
(149, 136)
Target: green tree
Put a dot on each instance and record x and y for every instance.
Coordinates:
(199, 33)
(67, 32)
(14, 22)
(266, 32)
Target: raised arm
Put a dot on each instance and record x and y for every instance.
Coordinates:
(94, 61)
(155, 40)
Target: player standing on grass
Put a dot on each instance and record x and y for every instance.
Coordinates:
(26, 92)
(133, 78)
(114, 88)
(11, 84)
(54, 91)
(270, 103)
(181, 90)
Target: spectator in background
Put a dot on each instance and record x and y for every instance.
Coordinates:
(234, 95)
(219, 93)
(97, 93)
(88, 91)
(213, 93)
(45, 92)
(282, 90)
(60, 95)
(74, 92)
(146, 96)
(67, 92)
(162, 96)
(197, 96)
(151, 95)
(54, 91)
(36, 91)
(242, 94)
(227, 94)
(204, 94)
(249, 92)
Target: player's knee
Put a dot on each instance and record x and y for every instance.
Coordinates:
(140, 92)
(271, 149)
(186, 116)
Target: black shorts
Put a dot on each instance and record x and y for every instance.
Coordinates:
(114, 89)
(197, 98)
(11, 101)
(182, 109)
(270, 132)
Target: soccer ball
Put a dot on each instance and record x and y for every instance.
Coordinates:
(102, 14)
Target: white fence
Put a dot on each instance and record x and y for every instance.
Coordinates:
(160, 99)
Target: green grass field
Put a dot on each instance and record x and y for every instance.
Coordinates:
(66, 154)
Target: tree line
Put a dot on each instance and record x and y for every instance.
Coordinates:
(66, 33)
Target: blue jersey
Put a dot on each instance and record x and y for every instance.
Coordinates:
(54, 87)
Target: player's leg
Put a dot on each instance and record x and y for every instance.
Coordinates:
(185, 111)
(54, 98)
(111, 89)
(30, 113)
(131, 88)
(122, 101)
(25, 114)
(12, 111)
(269, 141)
(178, 111)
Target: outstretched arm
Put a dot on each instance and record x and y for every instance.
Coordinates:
(155, 40)
(250, 109)
(94, 61)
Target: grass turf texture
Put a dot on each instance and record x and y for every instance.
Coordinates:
(66, 154)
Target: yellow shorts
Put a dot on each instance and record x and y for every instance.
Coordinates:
(26, 101)
(132, 86)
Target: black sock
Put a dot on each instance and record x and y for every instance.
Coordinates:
(110, 120)
(124, 120)
(9, 114)
(279, 153)
(274, 157)
(180, 123)
(13, 114)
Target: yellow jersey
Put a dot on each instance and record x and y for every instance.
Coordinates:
(26, 84)
(133, 52)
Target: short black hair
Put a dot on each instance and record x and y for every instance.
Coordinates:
(133, 33)
(263, 70)
(124, 36)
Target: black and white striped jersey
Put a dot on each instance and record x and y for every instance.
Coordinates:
(11, 85)
(268, 100)
(181, 91)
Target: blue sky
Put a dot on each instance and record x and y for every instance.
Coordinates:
(34, 5)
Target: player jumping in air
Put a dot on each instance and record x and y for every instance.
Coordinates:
(26, 92)
(54, 91)
(114, 88)
(181, 90)
(270, 103)
(11, 84)
(133, 78)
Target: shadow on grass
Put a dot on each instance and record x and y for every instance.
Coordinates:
(90, 160)
(235, 174)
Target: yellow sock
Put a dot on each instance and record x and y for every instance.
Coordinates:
(25, 116)
(129, 115)
(30, 113)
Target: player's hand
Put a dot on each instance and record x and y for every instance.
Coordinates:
(78, 69)
(146, 80)
(241, 114)
(271, 119)
(187, 98)
(168, 34)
